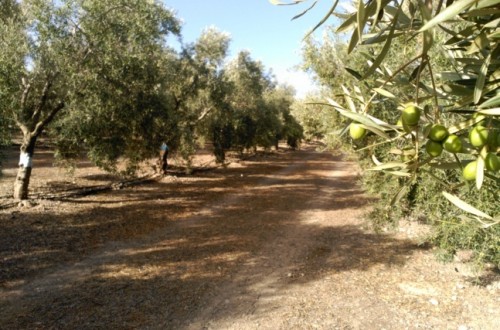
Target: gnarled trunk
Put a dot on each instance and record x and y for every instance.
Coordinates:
(25, 167)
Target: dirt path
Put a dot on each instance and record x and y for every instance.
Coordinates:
(274, 242)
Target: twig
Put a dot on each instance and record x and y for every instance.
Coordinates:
(436, 113)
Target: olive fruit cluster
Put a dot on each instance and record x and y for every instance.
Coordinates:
(491, 163)
(434, 145)
(440, 139)
(479, 136)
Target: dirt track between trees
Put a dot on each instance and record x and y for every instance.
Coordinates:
(275, 241)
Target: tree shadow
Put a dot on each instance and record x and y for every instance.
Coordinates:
(485, 279)
(156, 254)
(154, 279)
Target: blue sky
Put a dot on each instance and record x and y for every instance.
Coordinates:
(258, 26)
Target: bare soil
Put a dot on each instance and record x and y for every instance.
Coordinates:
(274, 241)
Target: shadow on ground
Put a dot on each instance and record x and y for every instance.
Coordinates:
(154, 255)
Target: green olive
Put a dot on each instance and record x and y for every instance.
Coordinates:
(411, 115)
(357, 131)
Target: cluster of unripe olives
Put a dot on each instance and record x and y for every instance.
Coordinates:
(439, 138)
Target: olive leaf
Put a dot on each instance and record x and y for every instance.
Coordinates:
(330, 12)
(449, 13)
(491, 112)
(385, 166)
(427, 35)
(385, 93)
(397, 197)
(361, 17)
(464, 206)
(481, 79)
(305, 11)
(281, 3)
(386, 47)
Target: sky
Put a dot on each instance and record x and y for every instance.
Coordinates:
(266, 30)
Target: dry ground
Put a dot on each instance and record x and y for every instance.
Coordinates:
(275, 241)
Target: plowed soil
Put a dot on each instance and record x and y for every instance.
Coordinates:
(274, 241)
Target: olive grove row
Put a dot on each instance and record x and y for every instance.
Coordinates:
(103, 77)
(412, 87)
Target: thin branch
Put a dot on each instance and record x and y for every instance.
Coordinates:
(43, 99)
(24, 98)
(433, 88)
(88, 50)
(19, 124)
(177, 102)
(401, 69)
(41, 125)
(395, 73)
(383, 142)
(114, 8)
(424, 59)
(458, 161)
(440, 181)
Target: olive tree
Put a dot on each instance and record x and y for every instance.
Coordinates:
(200, 89)
(250, 83)
(216, 126)
(91, 66)
(283, 125)
(10, 62)
(433, 65)
(450, 101)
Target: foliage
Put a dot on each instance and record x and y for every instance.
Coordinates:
(100, 78)
(88, 72)
(440, 56)
(11, 62)
(233, 105)
(260, 112)
(120, 82)
(283, 125)
(249, 84)
(201, 95)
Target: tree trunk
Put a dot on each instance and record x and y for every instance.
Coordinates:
(25, 166)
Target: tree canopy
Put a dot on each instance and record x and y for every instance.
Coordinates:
(416, 85)
(103, 78)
